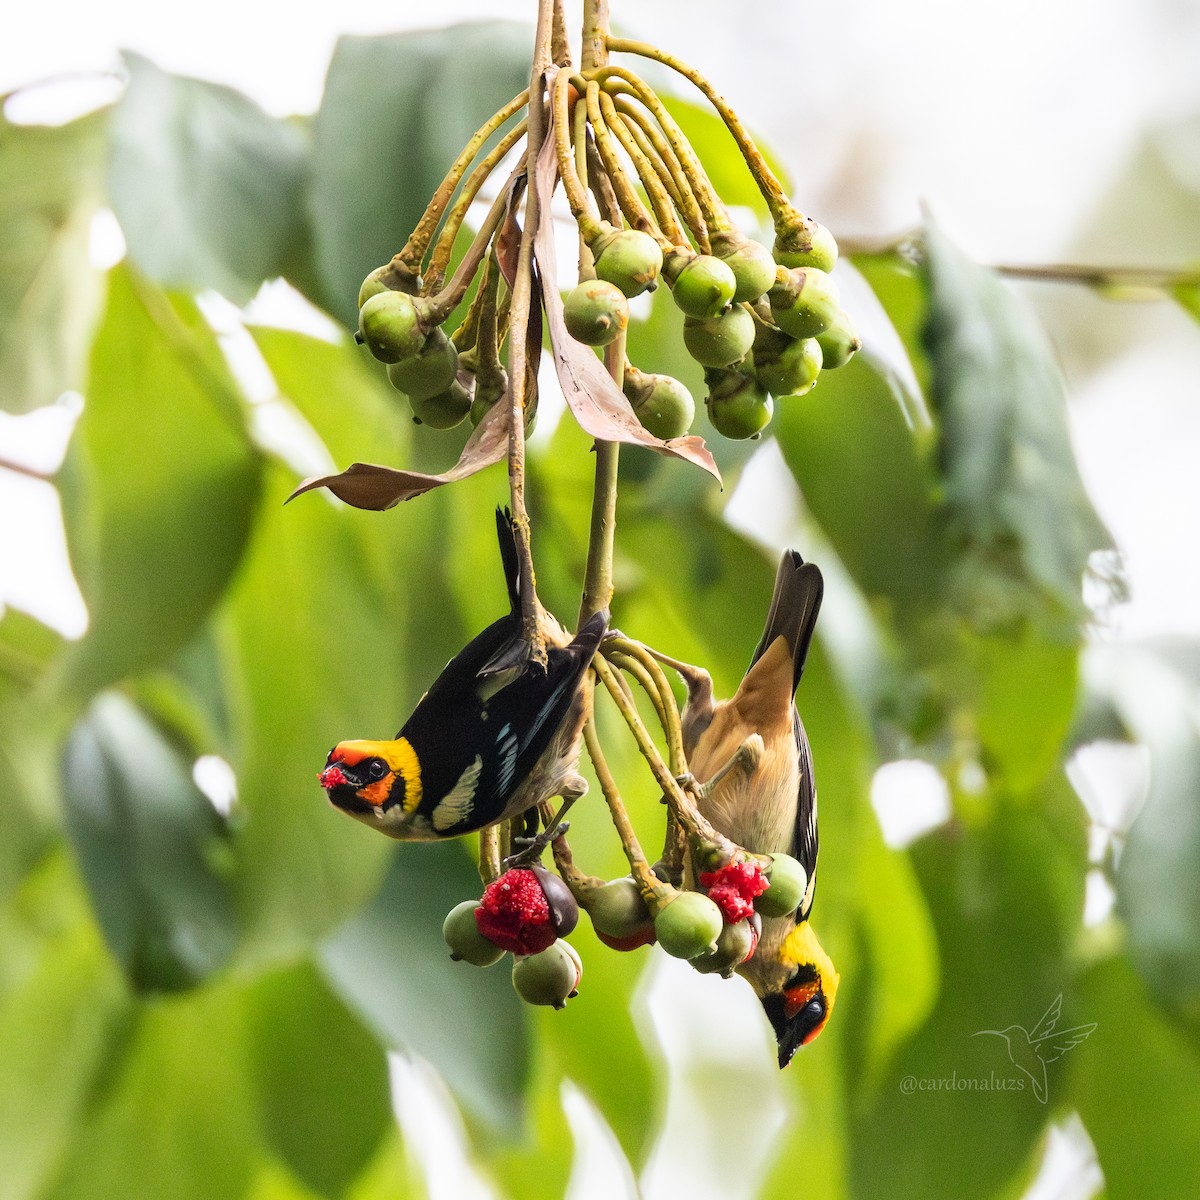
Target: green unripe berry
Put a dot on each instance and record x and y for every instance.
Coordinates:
(794, 371)
(662, 405)
(389, 277)
(751, 263)
(629, 259)
(390, 326)
(372, 286)
(443, 411)
(462, 935)
(734, 946)
(719, 341)
(787, 881)
(617, 908)
(689, 925)
(703, 287)
(737, 406)
(839, 343)
(807, 244)
(596, 312)
(804, 302)
(427, 373)
(550, 977)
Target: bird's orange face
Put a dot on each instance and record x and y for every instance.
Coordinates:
(801, 1010)
(366, 779)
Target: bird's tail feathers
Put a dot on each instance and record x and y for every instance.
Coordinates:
(507, 533)
(794, 607)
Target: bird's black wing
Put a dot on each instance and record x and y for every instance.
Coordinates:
(793, 612)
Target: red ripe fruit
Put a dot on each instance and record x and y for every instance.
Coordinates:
(514, 913)
(733, 888)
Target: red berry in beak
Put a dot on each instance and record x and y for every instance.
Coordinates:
(332, 777)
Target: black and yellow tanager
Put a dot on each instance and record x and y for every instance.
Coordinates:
(495, 734)
(772, 806)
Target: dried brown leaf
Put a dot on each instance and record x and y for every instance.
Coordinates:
(367, 485)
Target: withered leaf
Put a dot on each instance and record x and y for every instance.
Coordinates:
(367, 485)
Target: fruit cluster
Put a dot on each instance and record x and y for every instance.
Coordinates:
(528, 912)
(762, 323)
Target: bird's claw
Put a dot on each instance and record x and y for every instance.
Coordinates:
(533, 848)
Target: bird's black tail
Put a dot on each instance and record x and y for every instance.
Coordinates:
(507, 533)
(794, 607)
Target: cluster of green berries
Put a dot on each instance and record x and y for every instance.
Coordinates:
(528, 912)
(763, 325)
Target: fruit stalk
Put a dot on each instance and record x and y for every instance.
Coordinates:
(519, 366)
(409, 259)
(442, 252)
(764, 178)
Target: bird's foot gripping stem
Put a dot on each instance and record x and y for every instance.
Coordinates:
(745, 759)
(531, 848)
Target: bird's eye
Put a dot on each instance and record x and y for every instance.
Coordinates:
(377, 769)
(815, 1008)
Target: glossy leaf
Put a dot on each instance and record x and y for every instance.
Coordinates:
(321, 1079)
(159, 486)
(316, 595)
(153, 850)
(396, 112)
(51, 185)
(1155, 688)
(174, 1112)
(63, 1012)
(392, 967)
(1002, 965)
(1012, 485)
(28, 802)
(207, 187)
(1133, 1082)
(864, 476)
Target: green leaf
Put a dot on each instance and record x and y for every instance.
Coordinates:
(28, 804)
(1155, 687)
(396, 112)
(51, 185)
(900, 289)
(174, 1117)
(391, 966)
(63, 1011)
(1188, 297)
(159, 486)
(208, 188)
(320, 1078)
(1135, 1082)
(319, 642)
(1005, 899)
(1013, 491)
(152, 849)
(861, 469)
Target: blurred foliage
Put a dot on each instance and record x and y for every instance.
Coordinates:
(200, 1005)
